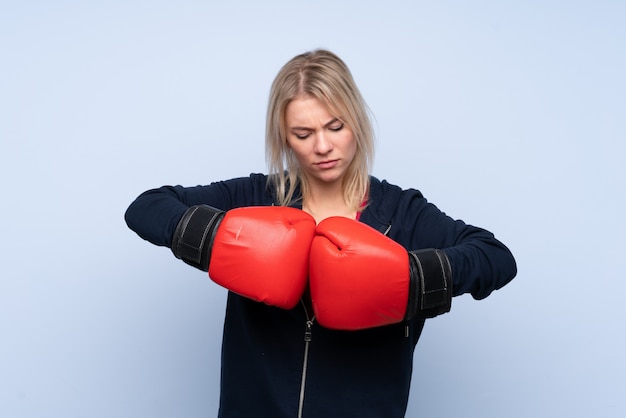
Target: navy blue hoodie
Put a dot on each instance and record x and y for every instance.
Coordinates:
(348, 373)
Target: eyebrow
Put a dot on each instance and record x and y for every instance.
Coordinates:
(326, 125)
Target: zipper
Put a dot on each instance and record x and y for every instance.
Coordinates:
(307, 341)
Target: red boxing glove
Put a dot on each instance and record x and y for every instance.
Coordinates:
(261, 253)
(360, 278)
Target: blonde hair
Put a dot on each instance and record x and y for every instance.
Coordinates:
(323, 75)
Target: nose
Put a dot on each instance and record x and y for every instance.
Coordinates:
(322, 144)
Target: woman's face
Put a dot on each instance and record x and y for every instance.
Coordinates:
(323, 144)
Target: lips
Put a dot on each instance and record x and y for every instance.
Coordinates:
(325, 165)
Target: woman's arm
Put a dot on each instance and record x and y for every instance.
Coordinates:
(155, 214)
(480, 263)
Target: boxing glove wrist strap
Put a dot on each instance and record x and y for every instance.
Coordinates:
(194, 235)
(430, 292)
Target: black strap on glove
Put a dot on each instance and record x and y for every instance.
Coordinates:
(194, 235)
(430, 291)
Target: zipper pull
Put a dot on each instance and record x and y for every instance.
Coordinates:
(307, 332)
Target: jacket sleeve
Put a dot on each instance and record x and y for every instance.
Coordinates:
(479, 262)
(154, 214)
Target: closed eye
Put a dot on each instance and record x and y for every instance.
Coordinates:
(337, 128)
(302, 136)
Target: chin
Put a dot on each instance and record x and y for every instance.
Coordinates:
(330, 179)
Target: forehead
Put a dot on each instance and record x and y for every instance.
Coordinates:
(307, 109)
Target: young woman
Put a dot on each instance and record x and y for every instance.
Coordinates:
(331, 272)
